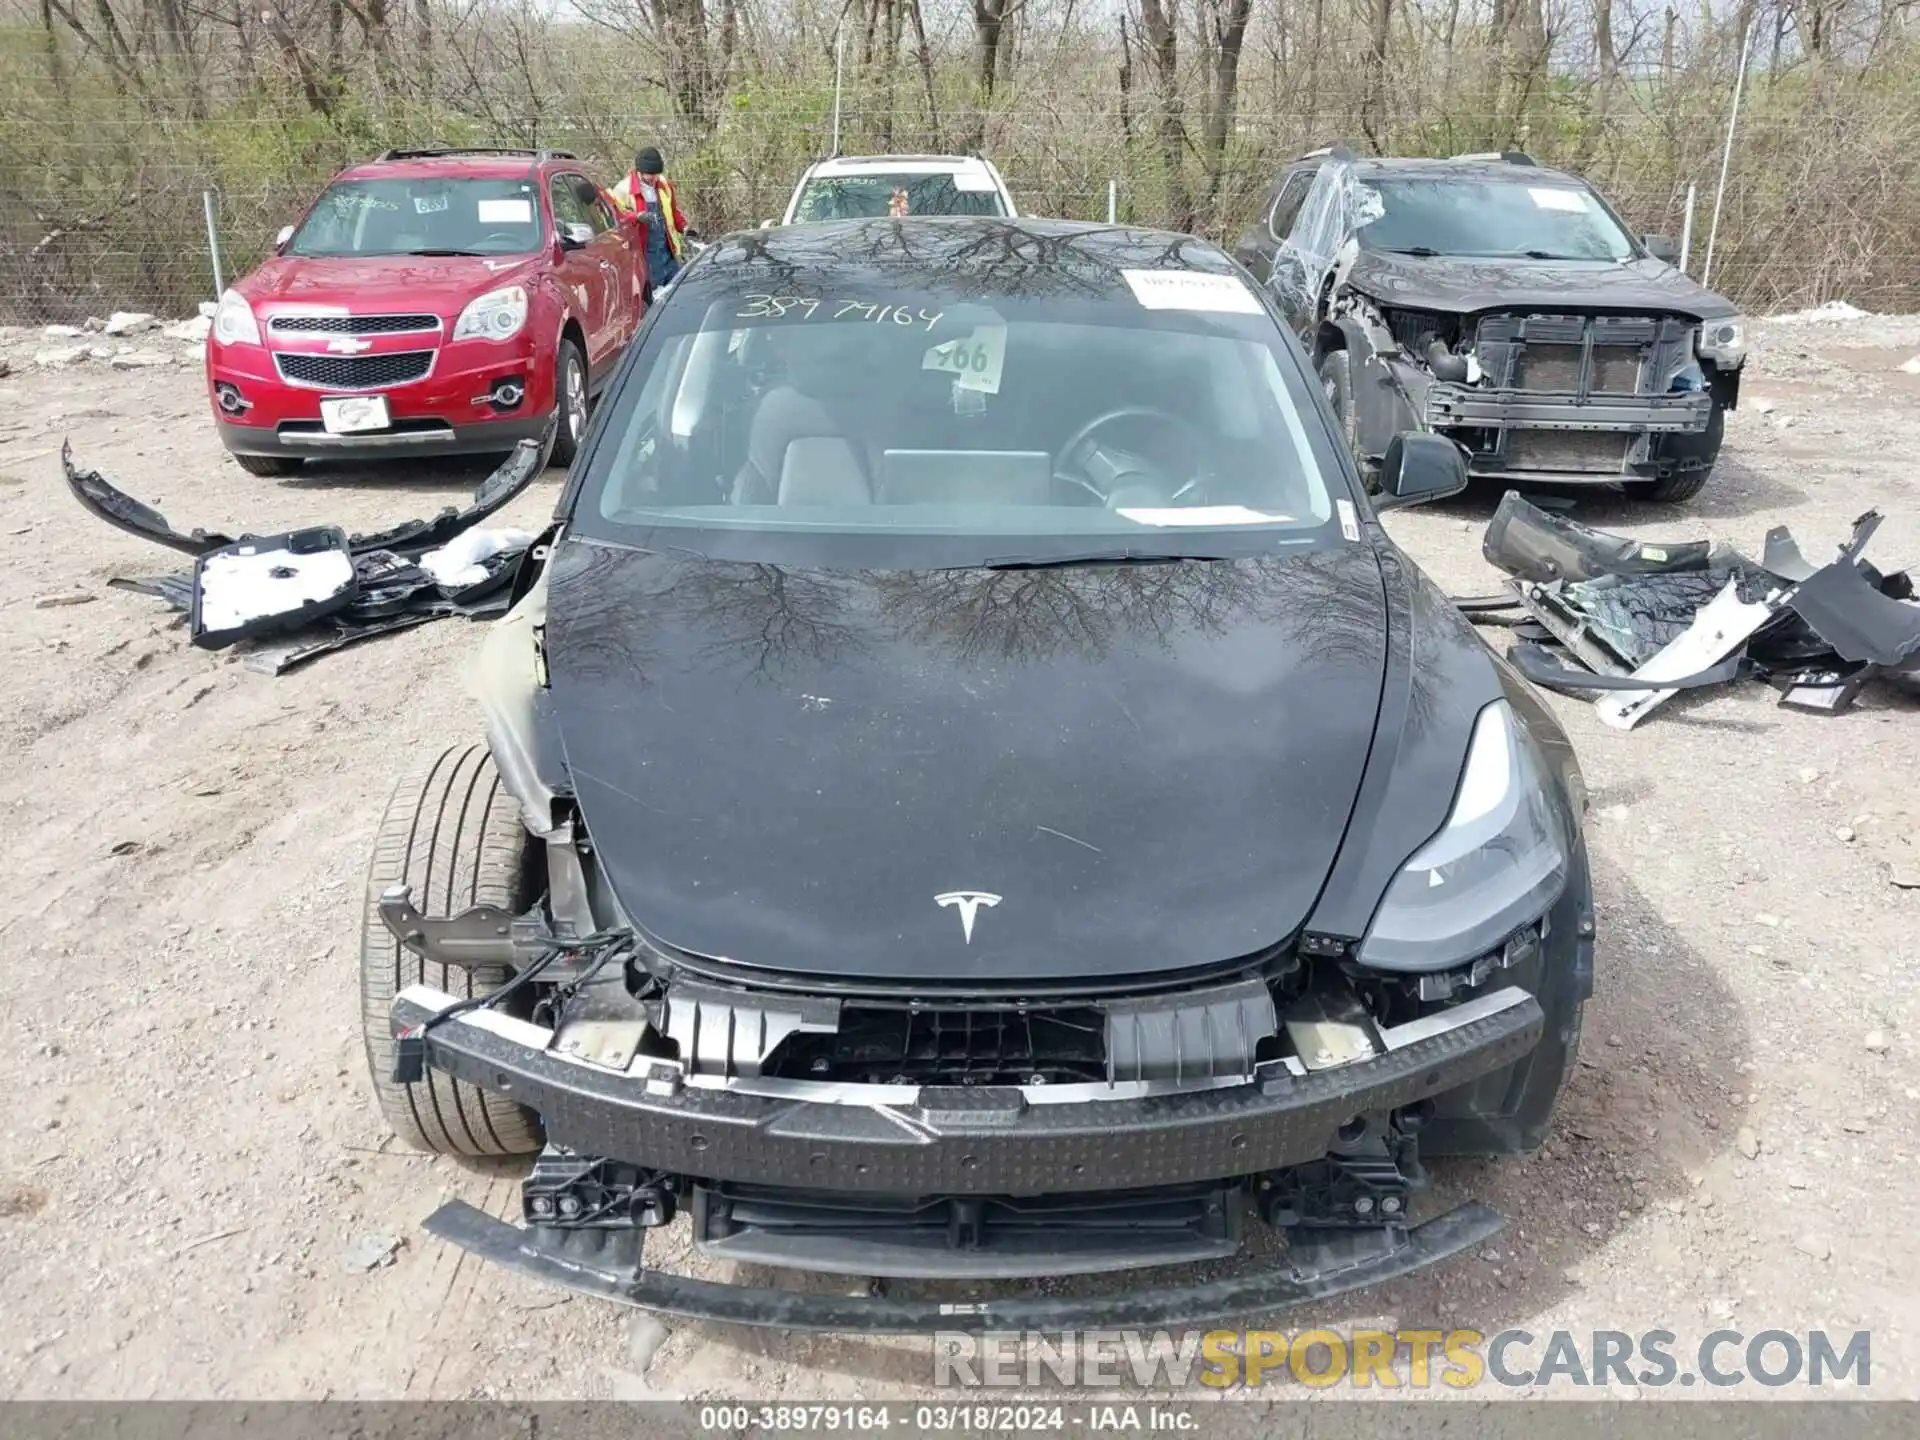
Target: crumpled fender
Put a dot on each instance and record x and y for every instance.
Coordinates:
(411, 539)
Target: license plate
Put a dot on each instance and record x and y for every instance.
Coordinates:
(353, 414)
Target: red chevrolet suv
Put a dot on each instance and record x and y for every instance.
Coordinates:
(432, 302)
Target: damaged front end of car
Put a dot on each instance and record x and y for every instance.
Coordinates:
(1540, 370)
(915, 1130)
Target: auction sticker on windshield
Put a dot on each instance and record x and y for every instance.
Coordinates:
(1555, 199)
(354, 413)
(505, 212)
(1190, 290)
(973, 360)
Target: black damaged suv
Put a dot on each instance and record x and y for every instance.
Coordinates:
(1505, 306)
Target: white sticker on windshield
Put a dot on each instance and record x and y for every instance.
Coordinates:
(506, 212)
(968, 184)
(1190, 290)
(1571, 200)
(429, 204)
(1349, 519)
(974, 360)
(1201, 515)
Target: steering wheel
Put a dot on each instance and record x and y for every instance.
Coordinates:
(1076, 451)
(506, 237)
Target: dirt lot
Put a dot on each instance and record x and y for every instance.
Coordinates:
(188, 1149)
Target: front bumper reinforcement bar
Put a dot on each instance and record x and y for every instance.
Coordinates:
(984, 1141)
(1318, 1265)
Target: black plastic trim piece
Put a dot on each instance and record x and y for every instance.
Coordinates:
(1319, 1265)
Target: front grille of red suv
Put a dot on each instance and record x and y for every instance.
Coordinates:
(353, 324)
(354, 372)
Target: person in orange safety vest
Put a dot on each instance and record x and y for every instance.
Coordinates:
(647, 192)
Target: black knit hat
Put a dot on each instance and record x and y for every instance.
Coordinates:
(648, 161)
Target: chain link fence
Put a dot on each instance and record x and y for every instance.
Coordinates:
(102, 190)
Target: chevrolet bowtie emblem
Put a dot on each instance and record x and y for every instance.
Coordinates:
(347, 345)
(968, 903)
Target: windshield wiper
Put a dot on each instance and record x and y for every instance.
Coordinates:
(1096, 557)
(1549, 255)
(1424, 252)
(437, 253)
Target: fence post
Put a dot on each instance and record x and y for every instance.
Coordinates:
(213, 243)
(1113, 200)
(1726, 155)
(1686, 231)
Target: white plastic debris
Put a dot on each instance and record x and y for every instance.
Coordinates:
(128, 322)
(238, 588)
(1911, 367)
(458, 562)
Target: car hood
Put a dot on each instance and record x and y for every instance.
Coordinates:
(1150, 766)
(1463, 286)
(372, 283)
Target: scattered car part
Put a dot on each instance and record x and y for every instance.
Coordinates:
(1528, 542)
(1534, 662)
(99, 496)
(1857, 619)
(255, 587)
(1720, 629)
(1824, 692)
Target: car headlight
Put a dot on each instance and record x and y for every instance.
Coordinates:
(233, 322)
(496, 315)
(1500, 861)
(1723, 341)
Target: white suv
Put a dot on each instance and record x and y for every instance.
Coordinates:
(852, 187)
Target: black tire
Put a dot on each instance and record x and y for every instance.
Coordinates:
(1671, 489)
(453, 833)
(268, 466)
(569, 370)
(1684, 484)
(1336, 380)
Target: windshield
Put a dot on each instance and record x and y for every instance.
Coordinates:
(437, 215)
(862, 197)
(1505, 218)
(1128, 425)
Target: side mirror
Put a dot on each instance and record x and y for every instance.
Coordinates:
(1419, 467)
(576, 236)
(286, 234)
(1661, 247)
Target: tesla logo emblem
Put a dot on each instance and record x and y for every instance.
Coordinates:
(968, 902)
(347, 345)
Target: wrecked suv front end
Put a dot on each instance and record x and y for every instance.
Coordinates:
(1557, 397)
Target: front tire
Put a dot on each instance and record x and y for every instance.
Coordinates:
(453, 833)
(1683, 485)
(269, 467)
(570, 402)
(1336, 381)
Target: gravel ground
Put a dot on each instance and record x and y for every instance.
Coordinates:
(192, 1168)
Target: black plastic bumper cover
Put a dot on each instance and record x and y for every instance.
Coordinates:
(974, 1142)
(1315, 1269)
